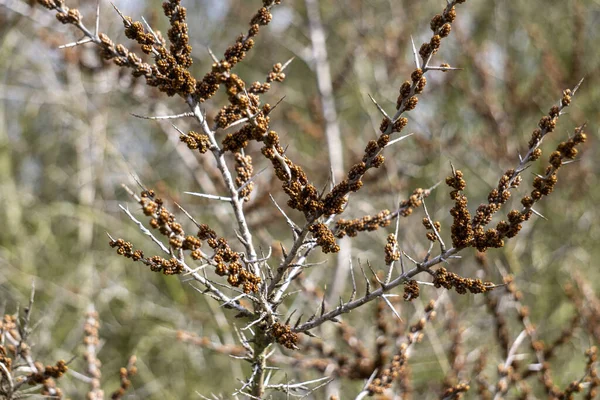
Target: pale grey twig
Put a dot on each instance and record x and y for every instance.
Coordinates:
(188, 215)
(291, 224)
(401, 138)
(77, 43)
(145, 230)
(415, 54)
(212, 55)
(440, 68)
(78, 375)
(381, 110)
(290, 388)
(538, 214)
(163, 117)
(210, 196)
(252, 178)
(391, 306)
(151, 30)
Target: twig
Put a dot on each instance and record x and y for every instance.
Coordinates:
(163, 117)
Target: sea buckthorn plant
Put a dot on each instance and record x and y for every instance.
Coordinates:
(289, 294)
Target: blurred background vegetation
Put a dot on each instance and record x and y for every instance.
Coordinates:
(68, 141)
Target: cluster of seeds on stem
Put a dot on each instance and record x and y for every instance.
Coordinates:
(196, 141)
(407, 100)
(226, 261)
(276, 75)
(170, 73)
(449, 280)
(435, 227)
(209, 85)
(123, 57)
(546, 125)
(382, 219)
(367, 223)
(441, 25)
(156, 263)
(391, 249)
(284, 336)
(543, 185)
(472, 232)
(324, 237)
(461, 230)
(244, 169)
(483, 216)
(64, 14)
(414, 201)
(178, 33)
(411, 290)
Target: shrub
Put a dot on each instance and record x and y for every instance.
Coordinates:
(270, 280)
